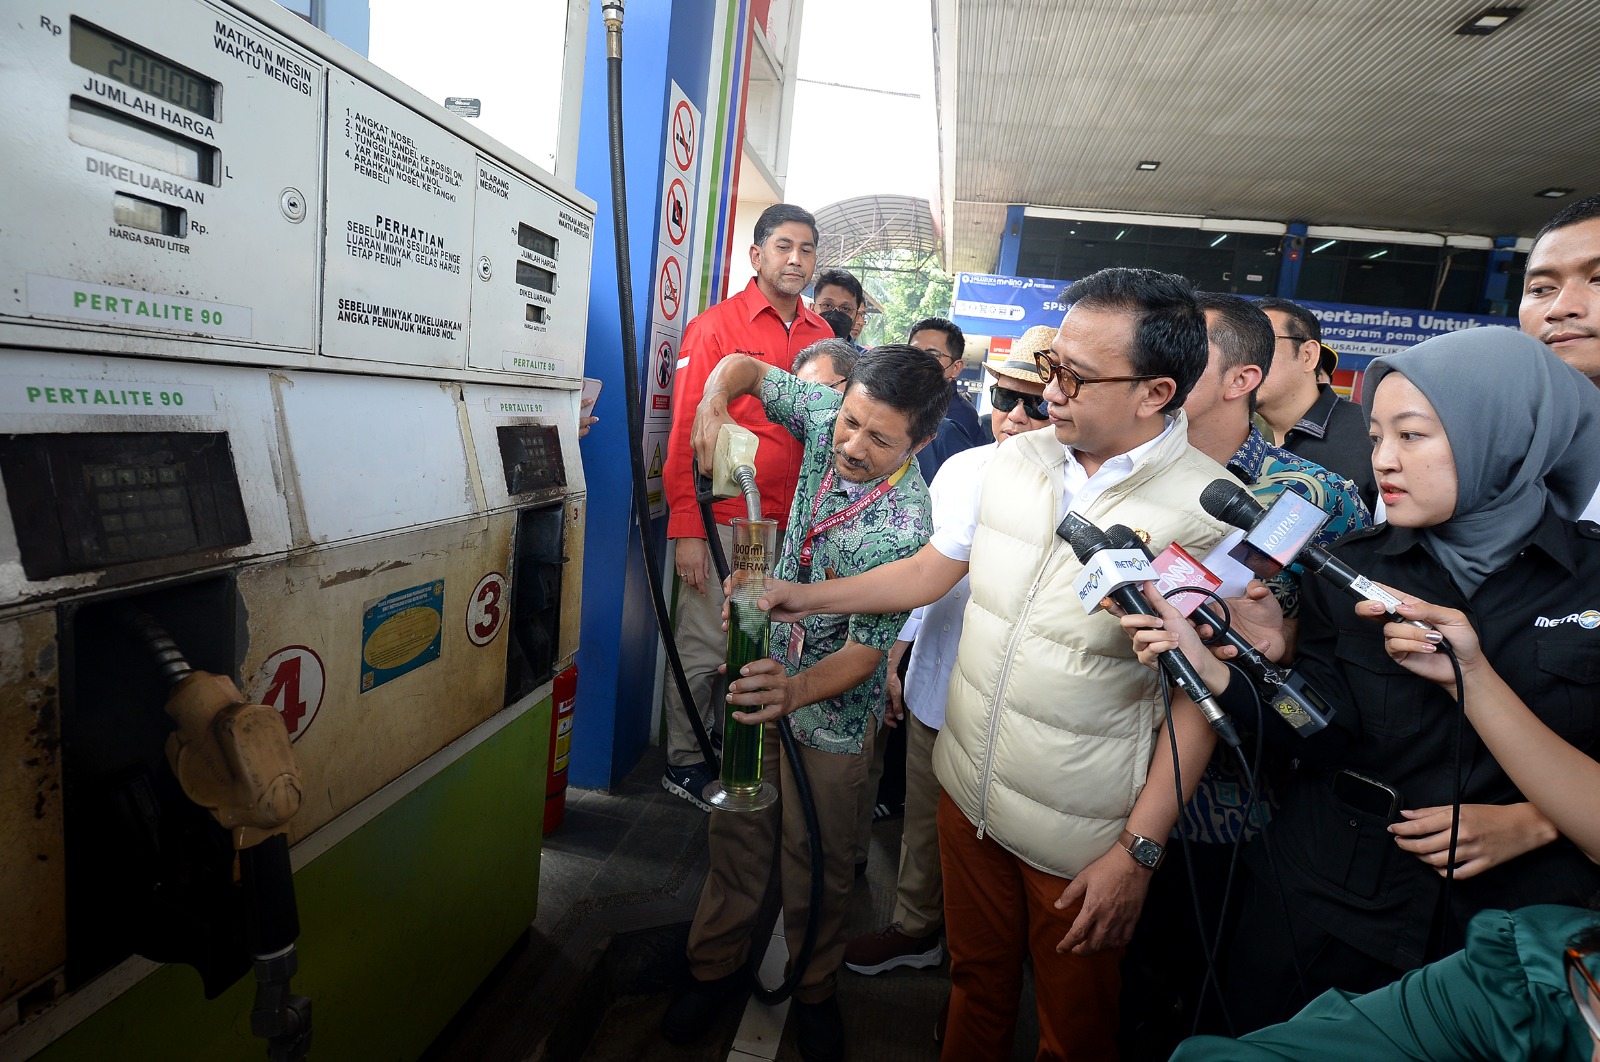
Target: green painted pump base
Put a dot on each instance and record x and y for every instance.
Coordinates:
(400, 923)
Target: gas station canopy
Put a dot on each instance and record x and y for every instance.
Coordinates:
(1372, 113)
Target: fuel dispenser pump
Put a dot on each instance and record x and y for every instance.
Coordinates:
(234, 759)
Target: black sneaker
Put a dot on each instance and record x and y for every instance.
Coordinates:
(819, 1030)
(697, 1005)
(689, 782)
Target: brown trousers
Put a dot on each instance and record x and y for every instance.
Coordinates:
(743, 845)
(998, 910)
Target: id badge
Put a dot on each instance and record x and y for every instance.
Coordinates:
(797, 645)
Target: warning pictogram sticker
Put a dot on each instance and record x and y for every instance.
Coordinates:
(486, 609)
(664, 364)
(292, 681)
(670, 288)
(655, 464)
(682, 136)
(677, 212)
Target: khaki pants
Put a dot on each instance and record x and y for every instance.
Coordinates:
(742, 856)
(702, 645)
(919, 889)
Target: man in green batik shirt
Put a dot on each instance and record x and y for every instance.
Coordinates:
(860, 502)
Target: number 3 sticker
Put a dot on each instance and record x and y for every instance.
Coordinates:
(486, 609)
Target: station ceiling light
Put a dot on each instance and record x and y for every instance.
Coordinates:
(1487, 21)
(1147, 165)
(1553, 193)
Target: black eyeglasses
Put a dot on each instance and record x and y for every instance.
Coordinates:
(1071, 383)
(1292, 339)
(1005, 400)
(1581, 983)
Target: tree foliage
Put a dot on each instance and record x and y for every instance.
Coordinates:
(909, 286)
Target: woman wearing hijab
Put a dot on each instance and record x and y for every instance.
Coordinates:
(1485, 448)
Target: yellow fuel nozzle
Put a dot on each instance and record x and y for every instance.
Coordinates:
(733, 467)
(233, 758)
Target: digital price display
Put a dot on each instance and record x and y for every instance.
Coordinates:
(536, 241)
(118, 60)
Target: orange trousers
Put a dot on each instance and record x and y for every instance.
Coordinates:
(998, 910)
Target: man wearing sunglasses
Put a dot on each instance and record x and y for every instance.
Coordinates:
(1055, 807)
(911, 938)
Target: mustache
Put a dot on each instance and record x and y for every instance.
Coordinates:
(840, 455)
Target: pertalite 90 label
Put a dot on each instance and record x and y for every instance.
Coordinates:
(45, 394)
(105, 304)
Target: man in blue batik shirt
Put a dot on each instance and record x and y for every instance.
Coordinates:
(1164, 962)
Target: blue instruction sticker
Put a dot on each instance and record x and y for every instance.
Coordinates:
(400, 633)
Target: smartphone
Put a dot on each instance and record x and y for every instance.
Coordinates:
(1366, 794)
(591, 393)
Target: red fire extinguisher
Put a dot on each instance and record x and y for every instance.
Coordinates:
(565, 696)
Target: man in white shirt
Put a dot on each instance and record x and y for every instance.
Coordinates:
(1053, 797)
(1561, 293)
(912, 937)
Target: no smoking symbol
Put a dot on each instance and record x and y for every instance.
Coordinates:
(683, 136)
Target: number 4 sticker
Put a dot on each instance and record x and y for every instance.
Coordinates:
(292, 681)
(486, 609)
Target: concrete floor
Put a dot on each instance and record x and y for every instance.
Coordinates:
(618, 884)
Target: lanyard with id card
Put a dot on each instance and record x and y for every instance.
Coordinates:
(797, 633)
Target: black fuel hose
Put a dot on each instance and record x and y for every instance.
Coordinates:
(630, 376)
(802, 786)
(612, 13)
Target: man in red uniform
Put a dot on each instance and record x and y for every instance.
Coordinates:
(766, 321)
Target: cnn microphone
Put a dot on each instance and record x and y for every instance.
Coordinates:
(1285, 692)
(1117, 573)
(1277, 539)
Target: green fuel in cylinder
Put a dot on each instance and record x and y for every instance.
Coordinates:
(749, 639)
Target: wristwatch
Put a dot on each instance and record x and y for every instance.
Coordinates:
(1145, 852)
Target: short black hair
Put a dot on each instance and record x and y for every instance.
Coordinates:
(839, 321)
(1242, 331)
(841, 278)
(955, 341)
(841, 352)
(1310, 327)
(1571, 214)
(780, 214)
(1171, 336)
(907, 381)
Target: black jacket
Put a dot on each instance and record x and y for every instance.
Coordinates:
(1333, 433)
(1338, 865)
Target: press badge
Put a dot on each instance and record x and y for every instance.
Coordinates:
(797, 645)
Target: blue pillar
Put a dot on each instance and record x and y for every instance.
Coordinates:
(349, 22)
(1495, 281)
(1290, 259)
(1011, 241)
(618, 636)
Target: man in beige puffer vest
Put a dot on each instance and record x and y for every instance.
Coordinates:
(1058, 783)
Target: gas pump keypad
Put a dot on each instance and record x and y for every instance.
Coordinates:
(531, 454)
(86, 502)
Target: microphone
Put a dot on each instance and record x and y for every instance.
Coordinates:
(1119, 572)
(1287, 693)
(1273, 542)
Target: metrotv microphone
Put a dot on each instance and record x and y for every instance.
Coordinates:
(1281, 536)
(1114, 573)
(1285, 692)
